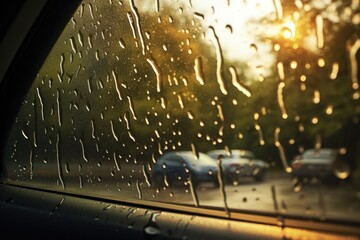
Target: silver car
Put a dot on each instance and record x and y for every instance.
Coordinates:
(323, 164)
(176, 168)
(239, 163)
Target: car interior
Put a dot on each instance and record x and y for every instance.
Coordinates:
(94, 93)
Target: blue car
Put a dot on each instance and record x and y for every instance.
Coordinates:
(178, 168)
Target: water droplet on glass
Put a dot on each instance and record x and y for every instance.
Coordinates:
(280, 99)
(342, 169)
(199, 15)
(278, 8)
(321, 62)
(194, 195)
(253, 47)
(354, 49)
(316, 98)
(194, 151)
(219, 62)
(199, 70)
(157, 71)
(319, 31)
(221, 182)
(298, 186)
(229, 28)
(108, 207)
(239, 84)
(122, 43)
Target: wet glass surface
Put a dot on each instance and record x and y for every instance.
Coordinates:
(135, 93)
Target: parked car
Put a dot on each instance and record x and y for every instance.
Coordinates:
(324, 164)
(177, 168)
(239, 163)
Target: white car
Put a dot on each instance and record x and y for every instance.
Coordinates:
(239, 163)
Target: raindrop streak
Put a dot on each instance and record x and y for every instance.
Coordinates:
(127, 120)
(24, 134)
(316, 98)
(334, 71)
(194, 151)
(122, 43)
(157, 5)
(81, 10)
(276, 205)
(116, 85)
(34, 139)
(239, 84)
(222, 185)
(113, 131)
(151, 228)
(163, 102)
(220, 112)
(137, 17)
(58, 106)
(83, 150)
(319, 31)
(354, 66)
(67, 168)
(254, 47)
(89, 85)
(118, 168)
(73, 45)
(219, 62)
(131, 136)
(280, 99)
(199, 70)
(138, 189)
(181, 102)
(281, 151)
(298, 186)
(31, 169)
(229, 28)
(131, 21)
(131, 106)
(81, 38)
(41, 104)
(322, 206)
(146, 175)
(90, 41)
(278, 8)
(157, 71)
(91, 11)
(108, 207)
(57, 207)
(92, 128)
(190, 114)
(80, 182)
(280, 69)
(199, 15)
(58, 161)
(62, 59)
(318, 142)
(258, 129)
(193, 192)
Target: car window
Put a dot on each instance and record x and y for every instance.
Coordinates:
(320, 153)
(173, 161)
(130, 81)
(202, 160)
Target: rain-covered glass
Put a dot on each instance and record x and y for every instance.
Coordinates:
(135, 93)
